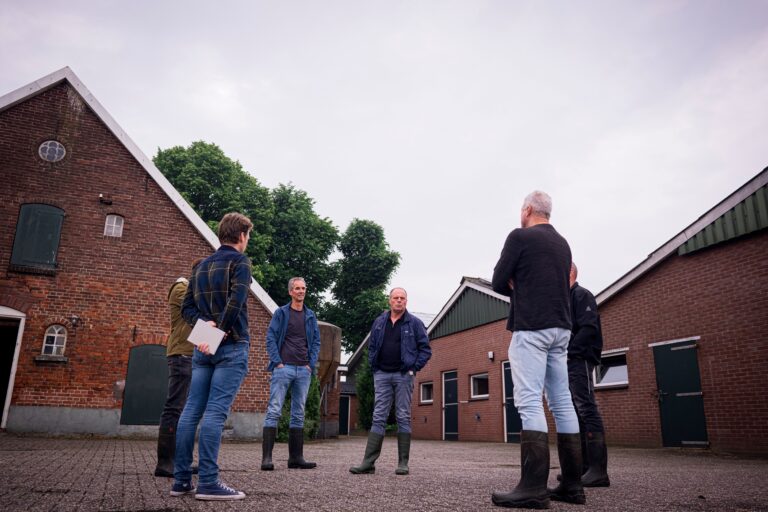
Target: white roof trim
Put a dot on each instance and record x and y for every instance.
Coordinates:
(672, 245)
(45, 83)
(463, 286)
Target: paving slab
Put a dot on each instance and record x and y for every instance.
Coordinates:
(111, 475)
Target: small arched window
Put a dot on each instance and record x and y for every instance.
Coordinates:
(55, 340)
(113, 226)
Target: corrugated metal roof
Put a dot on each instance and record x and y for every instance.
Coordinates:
(470, 309)
(746, 217)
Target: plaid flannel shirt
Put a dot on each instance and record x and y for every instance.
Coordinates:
(218, 291)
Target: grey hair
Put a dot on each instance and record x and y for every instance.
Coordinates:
(540, 203)
(293, 280)
(398, 288)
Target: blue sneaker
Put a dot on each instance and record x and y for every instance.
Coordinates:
(217, 491)
(182, 488)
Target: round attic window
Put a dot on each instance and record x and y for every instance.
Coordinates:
(51, 151)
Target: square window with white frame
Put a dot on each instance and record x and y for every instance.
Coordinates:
(114, 226)
(426, 393)
(612, 371)
(479, 385)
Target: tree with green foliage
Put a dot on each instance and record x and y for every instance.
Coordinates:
(215, 185)
(302, 242)
(365, 392)
(311, 413)
(363, 272)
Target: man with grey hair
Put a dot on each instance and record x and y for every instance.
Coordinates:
(535, 262)
(293, 345)
(398, 347)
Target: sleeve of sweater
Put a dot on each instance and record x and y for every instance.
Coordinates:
(505, 267)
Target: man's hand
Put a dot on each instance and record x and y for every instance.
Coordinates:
(511, 284)
(204, 347)
(281, 365)
(308, 368)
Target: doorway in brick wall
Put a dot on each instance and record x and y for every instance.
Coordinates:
(11, 330)
(681, 403)
(146, 386)
(450, 406)
(512, 422)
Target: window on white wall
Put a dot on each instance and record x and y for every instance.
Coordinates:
(55, 340)
(113, 226)
(612, 371)
(479, 385)
(426, 394)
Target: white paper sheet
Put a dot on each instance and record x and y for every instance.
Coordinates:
(203, 332)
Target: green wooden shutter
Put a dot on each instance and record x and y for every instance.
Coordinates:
(38, 231)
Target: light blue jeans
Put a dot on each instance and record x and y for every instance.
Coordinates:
(215, 382)
(390, 386)
(539, 362)
(295, 378)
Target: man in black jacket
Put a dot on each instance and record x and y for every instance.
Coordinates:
(584, 351)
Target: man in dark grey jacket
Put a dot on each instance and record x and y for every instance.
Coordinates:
(398, 348)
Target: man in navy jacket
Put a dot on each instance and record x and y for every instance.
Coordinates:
(293, 345)
(398, 348)
(584, 351)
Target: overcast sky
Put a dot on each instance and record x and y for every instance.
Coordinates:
(435, 119)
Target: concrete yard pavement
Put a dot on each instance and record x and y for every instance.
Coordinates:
(54, 474)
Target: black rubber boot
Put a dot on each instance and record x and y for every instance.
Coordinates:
(403, 452)
(531, 491)
(372, 452)
(584, 454)
(296, 450)
(570, 489)
(597, 474)
(267, 443)
(166, 450)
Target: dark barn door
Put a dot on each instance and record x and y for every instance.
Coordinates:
(450, 406)
(343, 415)
(146, 386)
(512, 422)
(681, 405)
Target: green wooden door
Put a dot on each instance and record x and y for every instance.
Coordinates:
(146, 386)
(512, 422)
(681, 404)
(343, 415)
(450, 406)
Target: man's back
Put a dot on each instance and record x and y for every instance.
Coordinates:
(538, 260)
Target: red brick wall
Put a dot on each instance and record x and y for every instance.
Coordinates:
(467, 353)
(118, 287)
(721, 295)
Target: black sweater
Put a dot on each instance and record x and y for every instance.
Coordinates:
(538, 260)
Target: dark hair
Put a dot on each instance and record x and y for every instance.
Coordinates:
(197, 262)
(231, 225)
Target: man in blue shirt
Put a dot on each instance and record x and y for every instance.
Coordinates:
(217, 294)
(293, 345)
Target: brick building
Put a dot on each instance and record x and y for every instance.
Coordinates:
(91, 237)
(685, 360)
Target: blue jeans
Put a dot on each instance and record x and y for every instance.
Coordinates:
(295, 378)
(215, 382)
(389, 386)
(538, 361)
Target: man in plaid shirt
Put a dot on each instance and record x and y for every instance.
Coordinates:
(217, 294)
